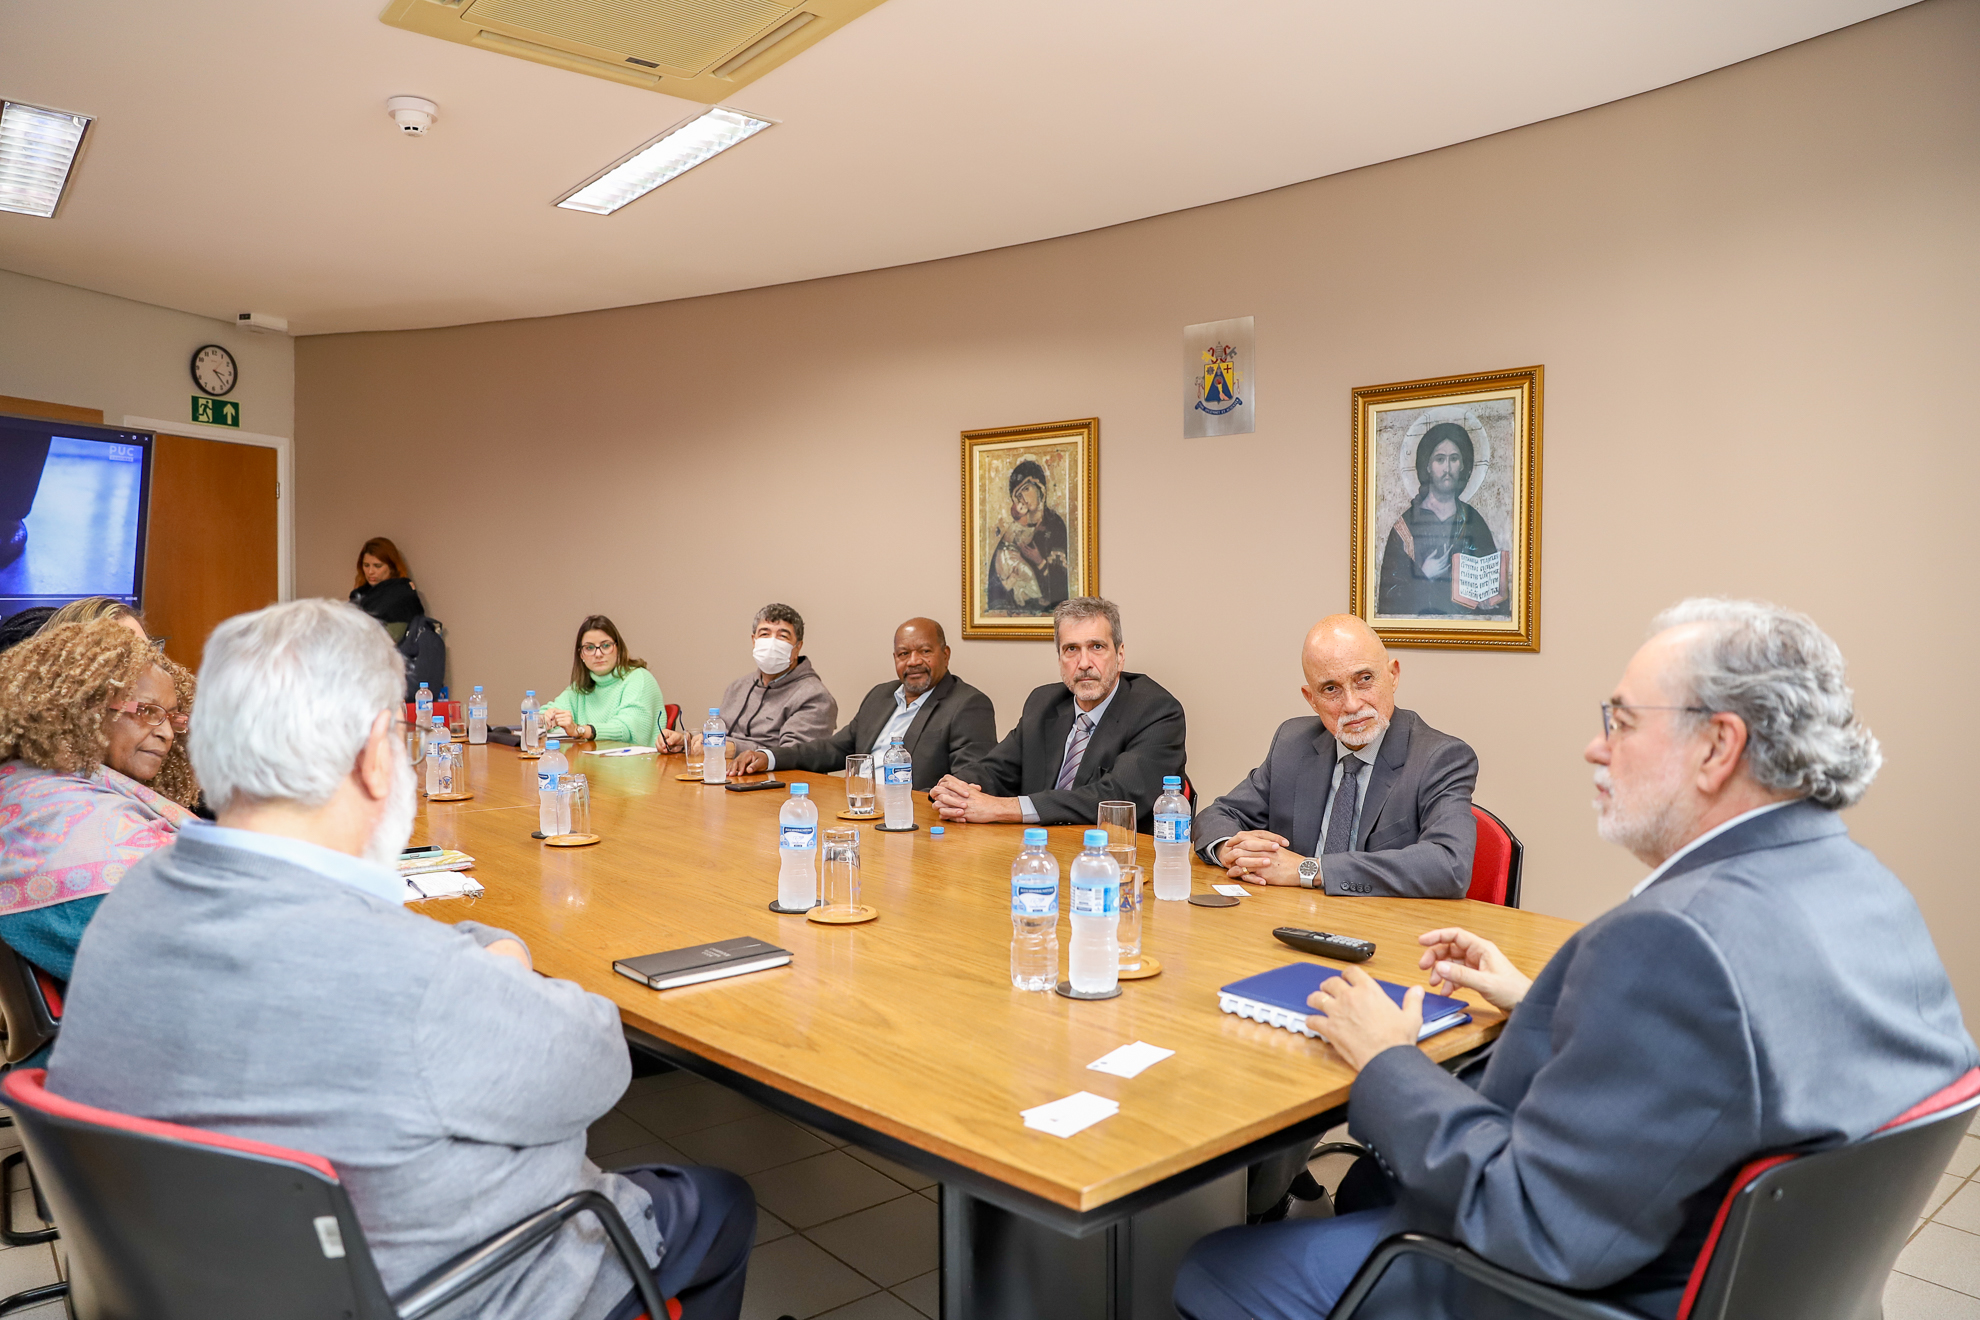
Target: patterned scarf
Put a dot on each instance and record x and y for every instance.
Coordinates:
(65, 837)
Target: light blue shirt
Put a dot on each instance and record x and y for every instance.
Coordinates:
(897, 727)
(353, 871)
(1093, 718)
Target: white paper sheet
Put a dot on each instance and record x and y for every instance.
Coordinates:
(1232, 891)
(1075, 1113)
(441, 884)
(1130, 1060)
(625, 751)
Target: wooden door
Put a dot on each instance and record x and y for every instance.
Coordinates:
(211, 553)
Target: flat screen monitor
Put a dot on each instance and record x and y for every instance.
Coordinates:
(74, 505)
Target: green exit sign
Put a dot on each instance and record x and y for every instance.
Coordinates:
(215, 412)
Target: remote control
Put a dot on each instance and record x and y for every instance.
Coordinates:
(1338, 947)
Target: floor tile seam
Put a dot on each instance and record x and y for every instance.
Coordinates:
(877, 1285)
(823, 1223)
(1936, 1283)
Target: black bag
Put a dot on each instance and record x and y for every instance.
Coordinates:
(425, 651)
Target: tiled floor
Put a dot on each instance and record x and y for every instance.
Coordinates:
(1938, 1273)
(22, 1268)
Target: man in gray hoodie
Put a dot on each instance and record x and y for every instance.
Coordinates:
(782, 703)
(261, 978)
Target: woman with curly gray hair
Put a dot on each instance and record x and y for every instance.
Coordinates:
(93, 775)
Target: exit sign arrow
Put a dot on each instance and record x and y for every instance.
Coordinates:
(215, 412)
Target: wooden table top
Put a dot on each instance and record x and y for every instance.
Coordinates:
(909, 1025)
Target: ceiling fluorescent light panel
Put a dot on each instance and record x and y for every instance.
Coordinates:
(37, 148)
(666, 157)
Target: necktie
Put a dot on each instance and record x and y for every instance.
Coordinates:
(1082, 730)
(1347, 800)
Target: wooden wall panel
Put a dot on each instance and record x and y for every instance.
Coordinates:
(212, 548)
(60, 412)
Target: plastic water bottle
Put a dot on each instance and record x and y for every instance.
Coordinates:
(478, 717)
(439, 758)
(1172, 840)
(530, 728)
(897, 786)
(715, 753)
(797, 851)
(1095, 964)
(423, 706)
(553, 809)
(1035, 915)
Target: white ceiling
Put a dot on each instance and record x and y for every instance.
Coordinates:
(242, 159)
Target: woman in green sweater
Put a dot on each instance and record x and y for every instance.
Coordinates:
(611, 695)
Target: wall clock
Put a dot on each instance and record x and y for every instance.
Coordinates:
(214, 369)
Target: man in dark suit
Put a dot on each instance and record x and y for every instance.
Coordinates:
(942, 720)
(1399, 824)
(1098, 735)
(1768, 986)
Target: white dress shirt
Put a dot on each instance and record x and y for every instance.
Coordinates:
(1093, 719)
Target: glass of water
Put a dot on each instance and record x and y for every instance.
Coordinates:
(1128, 932)
(1117, 818)
(859, 785)
(578, 789)
(696, 758)
(841, 888)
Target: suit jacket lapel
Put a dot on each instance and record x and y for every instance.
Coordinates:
(873, 715)
(1057, 726)
(1388, 768)
(1314, 781)
(922, 716)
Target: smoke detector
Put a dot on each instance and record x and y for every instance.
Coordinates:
(413, 114)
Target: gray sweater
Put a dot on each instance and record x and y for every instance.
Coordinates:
(450, 1087)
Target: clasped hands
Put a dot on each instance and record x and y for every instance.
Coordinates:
(1356, 1016)
(1260, 857)
(953, 799)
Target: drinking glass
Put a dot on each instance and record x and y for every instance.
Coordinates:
(457, 723)
(859, 785)
(415, 747)
(841, 888)
(696, 758)
(1117, 818)
(1128, 932)
(577, 791)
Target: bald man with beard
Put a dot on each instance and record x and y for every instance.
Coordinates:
(1360, 798)
(942, 720)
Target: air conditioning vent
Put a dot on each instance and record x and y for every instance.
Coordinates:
(703, 50)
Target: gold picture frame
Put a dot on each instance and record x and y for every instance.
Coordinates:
(1031, 526)
(1445, 540)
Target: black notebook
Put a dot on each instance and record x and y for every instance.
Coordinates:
(702, 962)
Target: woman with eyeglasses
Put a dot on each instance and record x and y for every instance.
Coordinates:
(611, 694)
(93, 776)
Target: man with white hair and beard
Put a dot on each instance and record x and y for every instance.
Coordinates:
(262, 979)
(1768, 986)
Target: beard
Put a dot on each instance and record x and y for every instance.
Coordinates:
(1644, 820)
(388, 839)
(1369, 733)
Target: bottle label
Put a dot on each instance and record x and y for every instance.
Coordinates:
(1172, 829)
(797, 836)
(1034, 900)
(1096, 900)
(714, 740)
(897, 774)
(547, 781)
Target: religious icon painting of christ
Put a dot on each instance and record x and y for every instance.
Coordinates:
(1446, 513)
(1031, 536)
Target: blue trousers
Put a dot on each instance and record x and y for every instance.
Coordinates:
(707, 1223)
(1295, 1269)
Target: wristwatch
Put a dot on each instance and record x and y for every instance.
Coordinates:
(1309, 873)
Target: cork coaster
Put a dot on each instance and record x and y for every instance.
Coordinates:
(842, 916)
(694, 779)
(448, 797)
(570, 840)
(1149, 967)
(867, 815)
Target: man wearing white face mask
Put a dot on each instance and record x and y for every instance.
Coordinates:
(783, 703)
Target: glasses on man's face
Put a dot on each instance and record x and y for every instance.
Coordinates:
(596, 648)
(150, 714)
(1613, 711)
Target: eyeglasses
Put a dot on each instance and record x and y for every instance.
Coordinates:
(1611, 708)
(596, 648)
(151, 715)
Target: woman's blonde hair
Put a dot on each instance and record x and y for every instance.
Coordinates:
(56, 687)
(91, 608)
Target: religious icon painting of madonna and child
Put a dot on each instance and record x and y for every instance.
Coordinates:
(1446, 517)
(1031, 525)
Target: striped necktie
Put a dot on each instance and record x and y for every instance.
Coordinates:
(1076, 749)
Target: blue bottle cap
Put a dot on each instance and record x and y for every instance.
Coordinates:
(800, 790)
(1096, 838)
(529, 692)
(550, 746)
(1034, 838)
(422, 685)
(477, 687)
(1171, 781)
(934, 829)
(439, 721)
(714, 710)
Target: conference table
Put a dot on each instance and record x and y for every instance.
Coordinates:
(906, 1036)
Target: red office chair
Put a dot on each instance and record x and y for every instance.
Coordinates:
(673, 720)
(164, 1222)
(1495, 863)
(1799, 1235)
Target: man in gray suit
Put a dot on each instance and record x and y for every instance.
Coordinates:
(262, 978)
(1769, 985)
(1399, 825)
(941, 720)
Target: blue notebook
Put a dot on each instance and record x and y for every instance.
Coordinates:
(1278, 999)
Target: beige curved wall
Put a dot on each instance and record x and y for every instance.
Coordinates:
(1755, 295)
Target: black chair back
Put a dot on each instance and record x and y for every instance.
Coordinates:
(1817, 1235)
(200, 1224)
(30, 1006)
